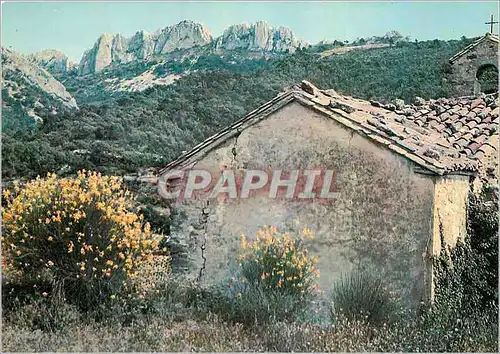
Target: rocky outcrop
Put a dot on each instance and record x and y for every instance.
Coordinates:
(141, 45)
(258, 36)
(110, 49)
(116, 48)
(186, 34)
(107, 49)
(54, 61)
(19, 74)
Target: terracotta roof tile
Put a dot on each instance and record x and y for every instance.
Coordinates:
(447, 132)
(444, 116)
(476, 102)
(470, 123)
(476, 132)
(470, 114)
(473, 147)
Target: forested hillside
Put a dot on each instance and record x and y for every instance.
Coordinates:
(119, 134)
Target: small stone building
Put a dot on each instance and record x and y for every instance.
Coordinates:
(475, 62)
(403, 173)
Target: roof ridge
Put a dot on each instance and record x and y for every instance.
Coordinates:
(476, 96)
(414, 143)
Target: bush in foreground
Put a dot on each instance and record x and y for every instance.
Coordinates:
(361, 296)
(274, 281)
(79, 235)
(188, 317)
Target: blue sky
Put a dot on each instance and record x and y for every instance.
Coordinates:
(73, 27)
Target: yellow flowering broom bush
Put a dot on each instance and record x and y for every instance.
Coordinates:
(278, 261)
(81, 231)
(276, 276)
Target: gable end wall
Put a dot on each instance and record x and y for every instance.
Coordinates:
(383, 219)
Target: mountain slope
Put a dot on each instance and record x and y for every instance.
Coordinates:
(117, 81)
(29, 92)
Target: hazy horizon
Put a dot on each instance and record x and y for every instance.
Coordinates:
(29, 27)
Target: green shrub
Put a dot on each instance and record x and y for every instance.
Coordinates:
(467, 275)
(252, 305)
(362, 296)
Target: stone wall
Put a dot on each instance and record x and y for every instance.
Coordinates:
(382, 220)
(464, 69)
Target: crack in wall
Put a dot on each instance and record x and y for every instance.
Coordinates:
(204, 222)
(233, 149)
(349, 142)
(349, 207)
(205, 213)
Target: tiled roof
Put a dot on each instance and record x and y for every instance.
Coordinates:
(469, 124)
(487, 36)
(446, 136)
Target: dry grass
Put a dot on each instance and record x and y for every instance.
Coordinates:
(156, 335)
(212, 335)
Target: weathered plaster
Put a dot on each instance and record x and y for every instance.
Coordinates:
(450, 210)
(450, 217)
(383, 218)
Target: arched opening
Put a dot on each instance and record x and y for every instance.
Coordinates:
(487, 78)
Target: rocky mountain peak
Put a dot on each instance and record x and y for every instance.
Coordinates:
(185, 34)
(258, 36)
(116, 48)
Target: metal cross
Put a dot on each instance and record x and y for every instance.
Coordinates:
(491, 23)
